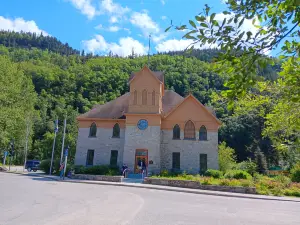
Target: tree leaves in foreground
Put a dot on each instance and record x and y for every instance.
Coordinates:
(243, 51)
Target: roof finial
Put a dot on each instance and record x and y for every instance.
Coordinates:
(149, 51)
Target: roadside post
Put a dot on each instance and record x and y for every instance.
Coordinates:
(66, 159)
(4, 158)
(53, 147)
(12, 152)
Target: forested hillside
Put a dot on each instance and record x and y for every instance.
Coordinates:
(52, 83)
(30, 40)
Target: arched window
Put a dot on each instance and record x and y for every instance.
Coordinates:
(153, 97)
(135, 97)
(116, 131)
(176, 132)
(93, 130)
(144, 97)
(203, 133)
(189, 130)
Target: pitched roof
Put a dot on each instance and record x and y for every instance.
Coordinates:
(159, 75)
(117, 108)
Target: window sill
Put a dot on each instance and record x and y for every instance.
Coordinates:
(115, 137)
(92, 136)
(190, 139)
(176, 139)
(203, 140)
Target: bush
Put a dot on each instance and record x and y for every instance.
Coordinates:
(227, 158)
(45, 166)
(213, 173)
(98, 170)
(248, 166)
(238, 174)
(295, 173)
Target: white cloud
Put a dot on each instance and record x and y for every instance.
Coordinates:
(123, 48)
(86, 7)
(108, 6)
(19, 24)
(99, 27)
(114, 28)
(163, 17)
(178, 45)
(158, 38)
(128, 30)
(163, 2)
(113, 19)
(144, 22)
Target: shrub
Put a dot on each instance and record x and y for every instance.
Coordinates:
(98, 170)
(295, 173)
(164, 173)
(237, 174)
(213, 173)
(249, 166)
(227, 158)
(45, 166)
(284, 180)
(79, 169)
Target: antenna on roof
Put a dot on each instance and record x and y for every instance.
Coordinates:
(149, 51)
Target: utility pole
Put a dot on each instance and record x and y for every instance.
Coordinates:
(63, 141)
(53, 147)
(26, 144)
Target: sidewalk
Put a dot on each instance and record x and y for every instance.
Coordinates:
(164, 188)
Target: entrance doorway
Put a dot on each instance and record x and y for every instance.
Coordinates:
(141, 160)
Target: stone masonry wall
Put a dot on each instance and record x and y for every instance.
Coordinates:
(142, 139)
(103, 143)
(98, 177)
(197, 185)
(190, 151)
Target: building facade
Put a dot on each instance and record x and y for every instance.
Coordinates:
(151, 125)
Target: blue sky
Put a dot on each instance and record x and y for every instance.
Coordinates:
(100, 26)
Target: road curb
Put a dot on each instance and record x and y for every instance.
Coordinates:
(167, 188)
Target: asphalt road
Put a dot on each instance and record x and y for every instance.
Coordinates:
(26, 200)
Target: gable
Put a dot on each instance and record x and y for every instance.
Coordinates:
(191, 109)
(145, 80)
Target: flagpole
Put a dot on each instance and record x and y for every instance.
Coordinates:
(53, 147)
(63, 141)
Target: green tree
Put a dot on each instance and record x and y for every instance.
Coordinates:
(17, 99)
(227, 158)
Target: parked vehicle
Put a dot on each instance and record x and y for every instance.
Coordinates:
(32, 165)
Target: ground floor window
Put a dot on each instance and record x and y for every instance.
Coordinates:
(90, 157)
(203, 163)
(176, 160)
(113, 157)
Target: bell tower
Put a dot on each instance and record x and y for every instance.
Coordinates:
(146, 92)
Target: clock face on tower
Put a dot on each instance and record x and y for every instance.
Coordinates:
(142, 124)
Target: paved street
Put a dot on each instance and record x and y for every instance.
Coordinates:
(38, 201)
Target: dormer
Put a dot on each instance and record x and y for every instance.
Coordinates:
(146, 91)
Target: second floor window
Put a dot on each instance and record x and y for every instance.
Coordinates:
(93, 130)
(135, 97)
(189, 130)
(116, 131)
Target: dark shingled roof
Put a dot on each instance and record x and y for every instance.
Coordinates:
(158, 74)
(115, 109)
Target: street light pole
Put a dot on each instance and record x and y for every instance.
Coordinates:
(53, 147)
(63, 141)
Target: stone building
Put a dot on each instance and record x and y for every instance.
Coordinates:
(151, 125)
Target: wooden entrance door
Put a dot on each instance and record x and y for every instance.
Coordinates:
(141, 158)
